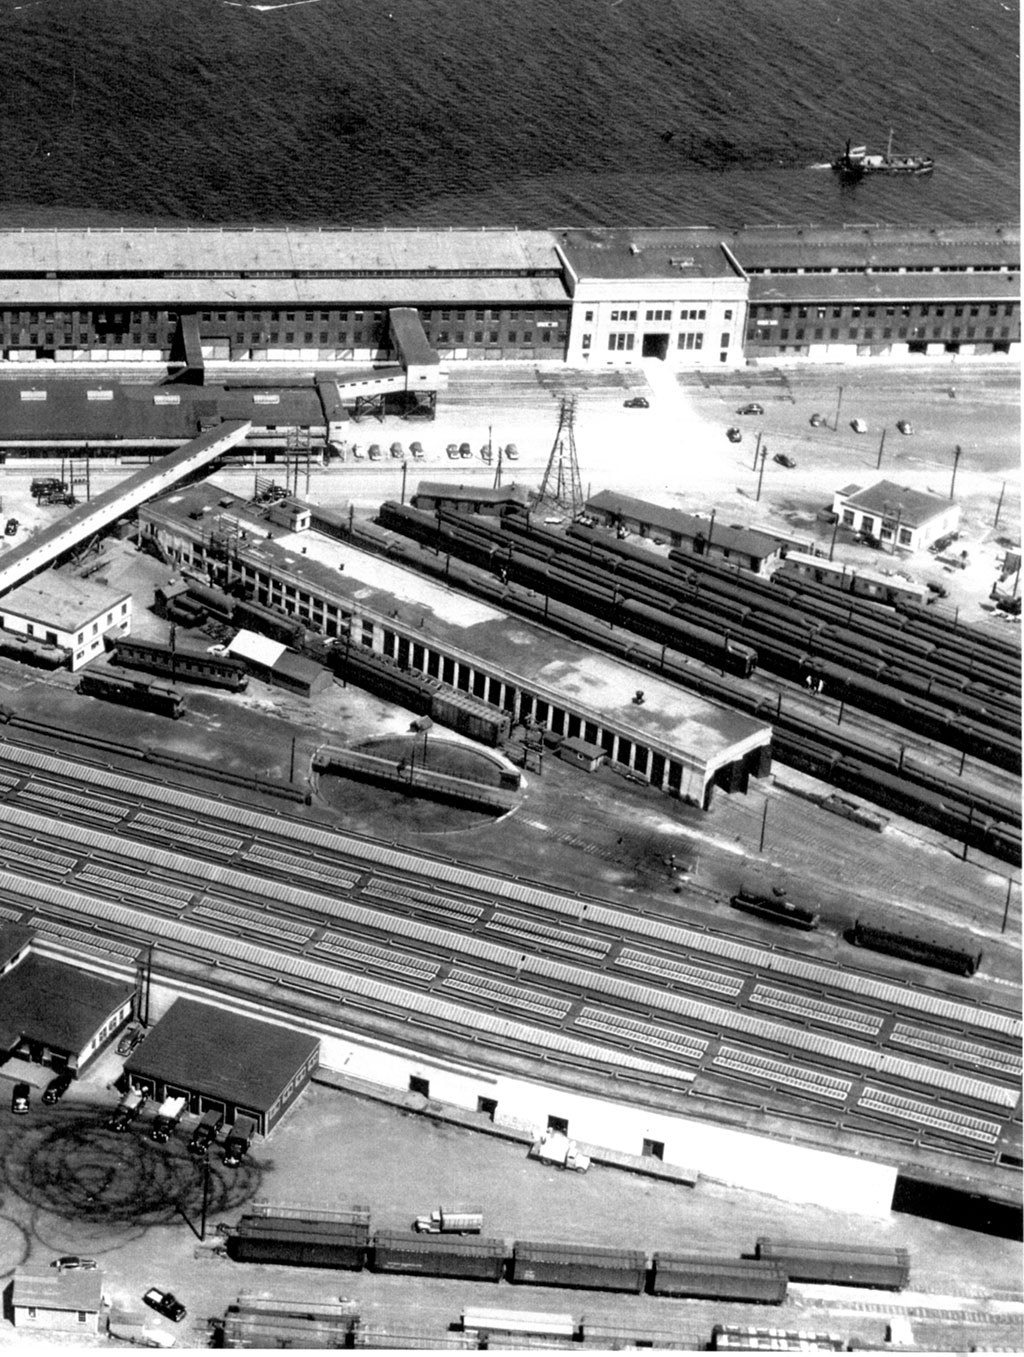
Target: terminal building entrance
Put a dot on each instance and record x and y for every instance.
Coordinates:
(655, 346)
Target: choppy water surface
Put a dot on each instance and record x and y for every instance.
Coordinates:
(487, 112)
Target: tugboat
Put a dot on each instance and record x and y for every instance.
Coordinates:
(855, 162)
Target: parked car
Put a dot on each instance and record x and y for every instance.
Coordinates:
(71, 1262)
(511, 452)
(21, 1095)
(637, 403)
(904, 426)
(56, 1088)
(783, 460)
(858, 426)
(751, 408)
(130, 1038)
(937, 588)
(817, 420)
(165, 1303)
(465, 450)
(12, 527)
(733, 434)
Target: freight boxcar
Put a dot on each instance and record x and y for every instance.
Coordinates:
(469, 716)
(601, 1269)
(807, 1260)
(697, 1275)
(300, 1242)
(154, 697)
(438, 1255)
(928, 947)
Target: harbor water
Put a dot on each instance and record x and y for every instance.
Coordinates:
(489, 112)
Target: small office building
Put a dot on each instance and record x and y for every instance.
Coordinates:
(63, 610)
(219, 1059)
(896, 515)
(699, 534)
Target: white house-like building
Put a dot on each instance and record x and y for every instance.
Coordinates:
(896, 514)
(63, 610)
(53, 1301)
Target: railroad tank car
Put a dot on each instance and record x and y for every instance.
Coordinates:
(254, 616)
(153, 697)
(577, 1265)
(806, 1260)
(217, 603)
(957, 953)
(184, 663)
(39, 654)
(702, 1277)
(438, 1255)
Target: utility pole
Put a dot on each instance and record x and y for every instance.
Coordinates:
(764, 822)
(839, 403)
(999, 506)
(561, 485)
(760, 474)
(832, 544)
(880, 447)
(757, 450)
(957, 451)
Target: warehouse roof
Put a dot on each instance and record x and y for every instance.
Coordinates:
(250, 251)
(806, 286)
(901, 248)
(14, 938)
(28, 1006)
(261, 650)
(917, 507)
(217, 1051)
(747, 541)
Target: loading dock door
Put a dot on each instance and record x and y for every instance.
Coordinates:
(655, 346)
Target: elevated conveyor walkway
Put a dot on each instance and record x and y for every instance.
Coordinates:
(88, 519)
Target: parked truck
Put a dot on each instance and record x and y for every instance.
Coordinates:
(168, 1114)
(556, 1148)
(458, 1220)
(132, 1102)
(205, 1133)
(238, 1140)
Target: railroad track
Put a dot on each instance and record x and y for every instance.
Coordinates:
(98, 860)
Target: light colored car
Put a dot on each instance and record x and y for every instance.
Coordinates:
(904, 426)
(858, 426)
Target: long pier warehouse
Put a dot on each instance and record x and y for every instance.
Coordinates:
(693, 297)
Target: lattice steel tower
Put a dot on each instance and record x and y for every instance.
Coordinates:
(561, 483)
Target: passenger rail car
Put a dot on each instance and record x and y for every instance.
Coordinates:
(254, 616)
(189, 664)
(837, 1264)
(154, 697)
(777, 908)
(945, 953)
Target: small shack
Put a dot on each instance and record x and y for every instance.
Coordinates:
(582, 753)
(52, 1300)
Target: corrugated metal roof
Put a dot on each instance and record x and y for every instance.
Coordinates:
(872, 288)
(981, 245)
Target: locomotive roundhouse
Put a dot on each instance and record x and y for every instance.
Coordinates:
(670, 738)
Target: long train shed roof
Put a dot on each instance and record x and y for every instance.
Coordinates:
(705, 736)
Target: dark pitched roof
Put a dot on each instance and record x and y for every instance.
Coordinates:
(28, 1003)
(211, 1049)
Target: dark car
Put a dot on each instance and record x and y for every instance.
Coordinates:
(12, 527)
(166, 1304)
(817, 421)
(21, 1095)
(904, 426)
(130, 1038)
(733, 434)
(71, 1262)
(783, 460)
(937, 588)
(56, 1088)
(637, 403)
(751, 408)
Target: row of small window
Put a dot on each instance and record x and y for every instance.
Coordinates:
(51, 636)
(764, 335)
(490, 337)
(496, 314)
(657, 314)
(854, 312)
